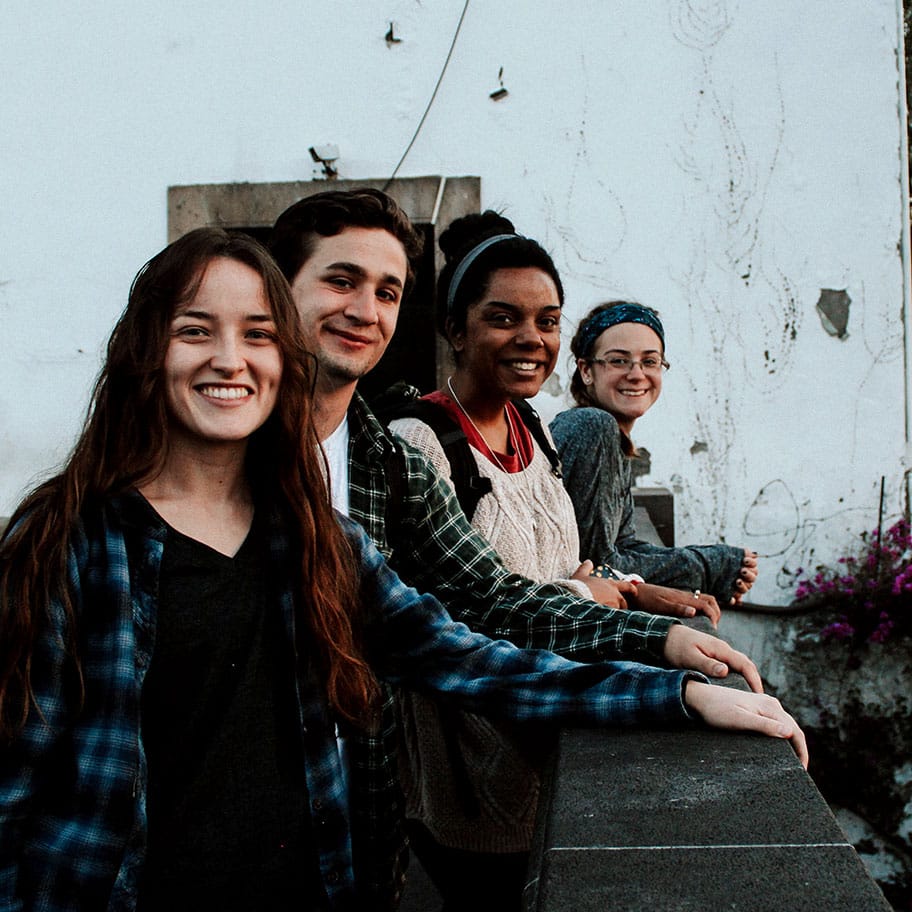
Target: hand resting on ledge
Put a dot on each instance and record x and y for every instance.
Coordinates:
(738, 710)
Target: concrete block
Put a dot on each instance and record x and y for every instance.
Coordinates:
(737, 879)
(701, 787)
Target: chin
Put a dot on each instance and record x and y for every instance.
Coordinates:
(524, 389)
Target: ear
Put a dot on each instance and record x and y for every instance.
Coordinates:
(585, 369)
(457, 339)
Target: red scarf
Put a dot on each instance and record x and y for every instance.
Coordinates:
(519, 436)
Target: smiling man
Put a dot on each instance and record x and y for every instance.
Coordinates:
(348, 256)
(353, 282)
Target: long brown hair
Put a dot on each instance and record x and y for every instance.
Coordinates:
(125, 441)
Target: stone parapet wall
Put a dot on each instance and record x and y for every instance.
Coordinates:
(855, 703)
(698, 819)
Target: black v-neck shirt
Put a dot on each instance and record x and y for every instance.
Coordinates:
(228, 818)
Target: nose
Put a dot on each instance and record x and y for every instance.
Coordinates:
(527, 335)
(227, 357)
(636, 366)
(361, 308)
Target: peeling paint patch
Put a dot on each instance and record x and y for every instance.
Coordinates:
(833, 309)
(699, 446)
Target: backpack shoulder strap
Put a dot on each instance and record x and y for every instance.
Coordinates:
(533, 422)
(469, 485)
(394, 472)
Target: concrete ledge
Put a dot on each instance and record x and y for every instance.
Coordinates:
(694, 819)
(775, 878)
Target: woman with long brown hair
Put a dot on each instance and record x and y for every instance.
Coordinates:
(194, 643)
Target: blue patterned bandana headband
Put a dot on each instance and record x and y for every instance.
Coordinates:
(620, 313)
(466, 264)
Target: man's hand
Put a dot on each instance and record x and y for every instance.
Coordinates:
(676, 602)
(725, 707)
(608, 592)
(692, 649)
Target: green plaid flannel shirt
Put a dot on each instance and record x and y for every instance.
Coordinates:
(434, 548)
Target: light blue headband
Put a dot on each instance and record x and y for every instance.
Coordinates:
(466, 264)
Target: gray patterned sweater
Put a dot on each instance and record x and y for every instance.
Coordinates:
(598, 478)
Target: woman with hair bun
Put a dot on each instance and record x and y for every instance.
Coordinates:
(472, 786)
(619, 349)
(499, 306)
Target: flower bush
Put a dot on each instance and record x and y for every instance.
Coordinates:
(870, 590)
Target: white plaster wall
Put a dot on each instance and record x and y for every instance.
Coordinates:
(720, 160)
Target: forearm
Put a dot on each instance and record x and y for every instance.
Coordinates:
(531, 686)
(711, 569)
(493, 677)
(544, 616)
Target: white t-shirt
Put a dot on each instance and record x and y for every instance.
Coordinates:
(336, 449)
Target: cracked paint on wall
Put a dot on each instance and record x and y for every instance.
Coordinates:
(728, 182)
(588, 199)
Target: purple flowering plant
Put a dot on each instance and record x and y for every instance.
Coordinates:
(871, 590)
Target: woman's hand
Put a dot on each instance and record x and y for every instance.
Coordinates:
(746, 576)
(608, 592)
(736, 710)
(676, 602)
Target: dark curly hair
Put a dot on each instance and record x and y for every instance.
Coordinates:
(457, 242)
(327, 214)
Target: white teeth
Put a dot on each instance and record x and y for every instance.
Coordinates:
(525, 365)
(225, 392)
(632, 392)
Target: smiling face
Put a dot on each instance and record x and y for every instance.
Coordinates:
(512, 337)
(223, 365)
(628, 395)
(348, 294)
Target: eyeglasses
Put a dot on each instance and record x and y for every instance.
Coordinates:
(625, 365)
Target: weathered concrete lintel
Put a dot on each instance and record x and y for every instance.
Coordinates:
(258, 204)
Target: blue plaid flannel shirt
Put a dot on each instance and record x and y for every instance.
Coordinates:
(72, 786)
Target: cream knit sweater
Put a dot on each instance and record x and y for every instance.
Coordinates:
(529, 520)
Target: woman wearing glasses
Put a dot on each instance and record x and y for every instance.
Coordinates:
(620, 361)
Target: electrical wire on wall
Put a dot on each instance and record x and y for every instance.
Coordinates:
(430, 103)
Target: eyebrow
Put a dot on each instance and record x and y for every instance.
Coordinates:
(624, 351)
(516, 306)
(355, 270)
(205, 315)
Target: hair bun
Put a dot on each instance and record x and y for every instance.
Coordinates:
(464, 233)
